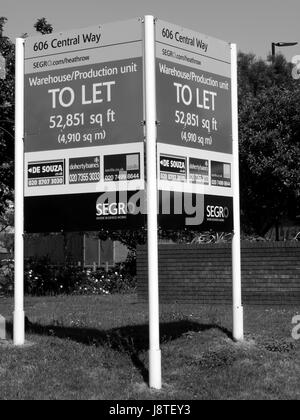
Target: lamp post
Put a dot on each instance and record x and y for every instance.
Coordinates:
(281, 44)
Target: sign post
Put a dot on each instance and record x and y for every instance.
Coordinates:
(150, 87)
(85, 103)
(238, 317)
(19, 315)
(198, 152)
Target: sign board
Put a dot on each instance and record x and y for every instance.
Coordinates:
(194, 133)
(83, 125)
(84, 134)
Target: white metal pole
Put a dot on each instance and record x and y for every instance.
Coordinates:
(150, 87)
(238, 315)
(19, 315)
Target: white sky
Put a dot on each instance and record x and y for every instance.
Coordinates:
(252, 24)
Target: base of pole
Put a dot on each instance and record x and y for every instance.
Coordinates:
(19, 328)
(155, 369)
(238, 323)
(8, 344)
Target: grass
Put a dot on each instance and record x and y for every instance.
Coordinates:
(96, 348)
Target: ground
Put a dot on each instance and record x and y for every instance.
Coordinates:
(95, 347)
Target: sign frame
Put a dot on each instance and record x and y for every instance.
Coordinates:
(155, 380)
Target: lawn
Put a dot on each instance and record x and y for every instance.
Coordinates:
(95, 347)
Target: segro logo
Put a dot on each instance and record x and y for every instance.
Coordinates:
(114, 209)
(217, 212)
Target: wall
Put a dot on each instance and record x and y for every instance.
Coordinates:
(203, 273)
(75, 248)
(57, 248)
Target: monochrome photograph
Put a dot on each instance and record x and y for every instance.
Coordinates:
(149, 203)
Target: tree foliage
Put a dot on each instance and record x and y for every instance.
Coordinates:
(132, 238)
(257, 75)
(7, 94)
(43, 26)
(269, 120)
(7, 50)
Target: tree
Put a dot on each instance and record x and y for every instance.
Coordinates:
(269, 141)
(3, 21)
(7, 93)
(256, 75)
(7, 218)
(43, 26)
(7, 50)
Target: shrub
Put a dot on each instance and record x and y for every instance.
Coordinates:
(6, 277)
(101, 282)
(41, 278)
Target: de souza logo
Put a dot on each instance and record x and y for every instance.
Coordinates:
(106, 208)
(218, 213)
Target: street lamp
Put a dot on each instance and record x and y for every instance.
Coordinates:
(281, 44)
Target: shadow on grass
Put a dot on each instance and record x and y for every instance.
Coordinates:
(131, 340)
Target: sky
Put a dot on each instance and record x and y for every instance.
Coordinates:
(252, 24)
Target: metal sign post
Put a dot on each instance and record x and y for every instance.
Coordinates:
(19, 315)
(78, 128)
(150, 88)
(238, 321)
